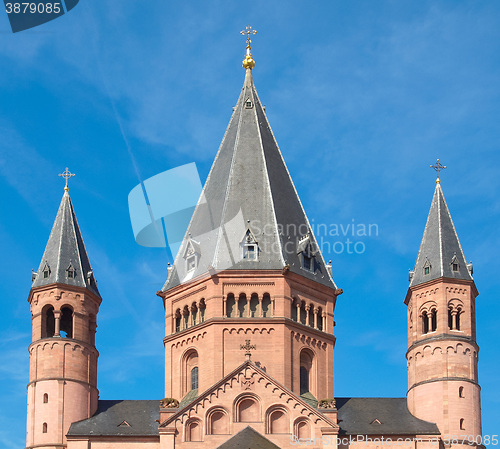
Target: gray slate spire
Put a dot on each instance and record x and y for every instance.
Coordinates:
(249, 216)
(65, 260)
(440, 253)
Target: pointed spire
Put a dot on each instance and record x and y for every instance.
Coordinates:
(65, 259)
(440, 254)
(249, 216)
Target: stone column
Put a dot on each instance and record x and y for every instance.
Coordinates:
(315, 318)
(454, 314)
(429, 321)
(260, 306)
(298, 311)
(308, 309)
(57, 323)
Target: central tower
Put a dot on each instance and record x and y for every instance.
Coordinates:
(249, 268)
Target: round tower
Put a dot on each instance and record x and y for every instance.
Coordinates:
(64, 302)
(442, 351)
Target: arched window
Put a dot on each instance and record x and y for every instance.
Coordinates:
(434, 320)
(302, 428)
(190, 371)
(304, 380)
(194, 313)
(450, 318)
(458, 319)
(194, 378)
(230, 306)
(306, 367)
(202, 308)
(44, 427)
(45, 398)
(254, 306)
(194, 430)
(67, 322)
(178, 320)
(266, 305)
(185, 314)
(303, 313)
(48, 322)
(425, 323)
(278, 421)
(217, 422)
(294, 310)
(247, 409)
(311, 316)
(320, 318)
(461, 392)
(242, 306)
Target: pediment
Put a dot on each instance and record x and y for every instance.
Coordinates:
(249, 379)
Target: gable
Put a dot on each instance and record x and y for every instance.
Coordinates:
(248, 397)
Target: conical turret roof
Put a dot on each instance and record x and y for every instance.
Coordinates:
(440, 253)
(249, 216)
(65, 259)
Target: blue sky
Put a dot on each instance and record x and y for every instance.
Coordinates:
(362, 96)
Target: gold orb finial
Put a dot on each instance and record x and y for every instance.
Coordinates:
(248, 62)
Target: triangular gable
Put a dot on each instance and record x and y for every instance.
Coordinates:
(246, 438)
(245, 377)
(124, 424)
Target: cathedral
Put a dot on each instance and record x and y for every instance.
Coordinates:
(249, 327)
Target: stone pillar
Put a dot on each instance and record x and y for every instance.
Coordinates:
(57, 323)
(315, 318)
(261, 298)
(454, 314)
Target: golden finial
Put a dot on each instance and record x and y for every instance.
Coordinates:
(438, 167)
(248, 62)
(66, 175)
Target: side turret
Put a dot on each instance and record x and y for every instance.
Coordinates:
(64, 302)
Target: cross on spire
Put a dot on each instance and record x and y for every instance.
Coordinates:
(438, 167)
(66, 175)
(248, 31)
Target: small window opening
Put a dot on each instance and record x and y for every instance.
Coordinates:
(450, 319)
(304, 380)
(248, 104)
(250, 252)
(44, 427)
(306, 262)
(50, 326)
(455, 266)
(425, 322)
(462, 424)
(191, 262)
(67, 322)
(45, 398)
(427, 270)
(178, 318)
(46, 274)
(458, 320)
(194, 378)
(461, 392)
(434, 320)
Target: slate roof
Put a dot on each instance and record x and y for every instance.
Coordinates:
(248, 188)
(440, 246)
(248, 438)
(141, 416)
(64, 248)
(357, 417)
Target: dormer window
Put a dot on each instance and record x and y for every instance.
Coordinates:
(46, 271)
(248, 103)
(70, 272)
(192, 255)
(249, 246)
(307, 253)
(427, 267)
(454, 263)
